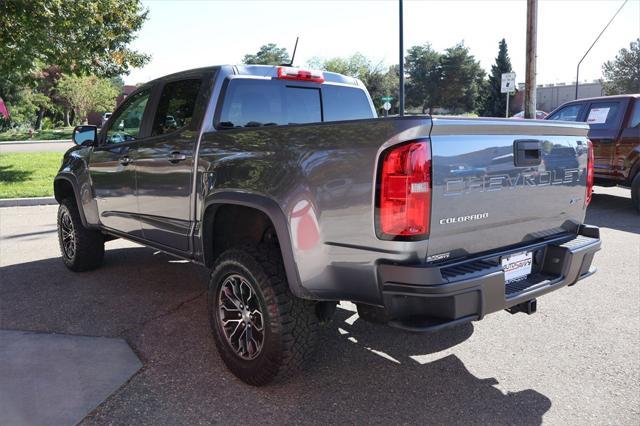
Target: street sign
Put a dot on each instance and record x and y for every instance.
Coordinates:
(386, 106)
(386, 98)
(508, 82)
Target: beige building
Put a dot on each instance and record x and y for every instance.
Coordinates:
(551, 96)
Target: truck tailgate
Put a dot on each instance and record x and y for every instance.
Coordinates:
(489, 189)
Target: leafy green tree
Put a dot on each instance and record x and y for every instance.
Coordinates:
(494, 103)
(117, 82)
(356, 65)
(25, 106)
(424, 74)
(378, 81)
(87, 93)
(381, 84)
(462, 80)
(269, 54)
(81, 37)
(622, 75)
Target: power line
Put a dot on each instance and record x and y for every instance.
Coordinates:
(594, 42)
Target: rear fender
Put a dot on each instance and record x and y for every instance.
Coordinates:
(632, 163)
(275, 214)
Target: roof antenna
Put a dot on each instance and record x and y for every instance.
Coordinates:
(294, 52)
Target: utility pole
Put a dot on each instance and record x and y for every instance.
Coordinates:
(532, 53)
(593, 44)
(401, 66)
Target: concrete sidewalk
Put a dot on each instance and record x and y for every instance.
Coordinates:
(54, 379)
(35, 146)
(33, 201)
(35, 141)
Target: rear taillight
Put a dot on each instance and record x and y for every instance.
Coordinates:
(290, 73)
(587, 198)
(405, 192)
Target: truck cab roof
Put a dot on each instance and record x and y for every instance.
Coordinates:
(268, 71)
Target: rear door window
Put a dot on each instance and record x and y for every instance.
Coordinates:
(257, 103)
(176, 106)
(603, 115)
(345, 103)
(634, 120)
(568, 113)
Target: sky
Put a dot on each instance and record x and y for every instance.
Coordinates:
(181, 34)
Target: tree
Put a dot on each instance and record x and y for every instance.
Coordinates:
(424, 74)
(25, 106)
(269, 54)
(622, 75)
(87, 93)
(462, 80)
(117, 82)
(494, 102)
(381, 84)
(80, 37)
(356, 65)
(378, 81)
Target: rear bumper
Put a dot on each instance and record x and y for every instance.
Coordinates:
(427, 298)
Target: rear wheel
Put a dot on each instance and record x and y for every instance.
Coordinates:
(635, 191)
(262, 331)
(82, 249)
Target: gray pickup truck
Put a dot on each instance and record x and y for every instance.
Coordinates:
(288, 187)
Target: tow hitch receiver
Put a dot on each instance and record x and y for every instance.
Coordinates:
(529, 307)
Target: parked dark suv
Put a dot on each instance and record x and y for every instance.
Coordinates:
(614, 123)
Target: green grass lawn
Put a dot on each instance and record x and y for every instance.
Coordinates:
(28, 174)
(43, 135)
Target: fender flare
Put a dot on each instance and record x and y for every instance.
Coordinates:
(277, 217)
(68, 177)
(635, 167)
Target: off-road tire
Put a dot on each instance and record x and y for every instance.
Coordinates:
(88, 244)
(289, 323)
(635, 192)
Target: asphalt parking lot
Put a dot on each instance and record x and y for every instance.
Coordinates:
(576, 361)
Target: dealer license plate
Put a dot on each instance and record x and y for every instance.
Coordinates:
(517, 266)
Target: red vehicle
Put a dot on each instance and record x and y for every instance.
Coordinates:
(540, 115)
(614, 123)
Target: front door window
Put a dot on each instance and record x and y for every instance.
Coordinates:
(126, 125)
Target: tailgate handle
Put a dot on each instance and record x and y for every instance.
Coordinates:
(527, 153)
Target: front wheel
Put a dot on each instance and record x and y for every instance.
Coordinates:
(82, 249)
(262, 331)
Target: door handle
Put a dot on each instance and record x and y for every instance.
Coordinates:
(527, 153)
(126, 160)
(176, 157)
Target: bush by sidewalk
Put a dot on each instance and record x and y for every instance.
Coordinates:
(28, 174)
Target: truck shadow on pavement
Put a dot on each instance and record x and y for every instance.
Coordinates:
(361, 372)
(614, 212)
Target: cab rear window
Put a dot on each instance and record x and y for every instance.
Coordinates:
(259, 103)
(345, 103)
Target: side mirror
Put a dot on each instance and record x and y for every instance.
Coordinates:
(85, 135)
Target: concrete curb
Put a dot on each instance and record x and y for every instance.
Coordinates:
(35, 142)
(34, 201)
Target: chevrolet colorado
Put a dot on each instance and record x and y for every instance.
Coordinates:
(288, 187)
